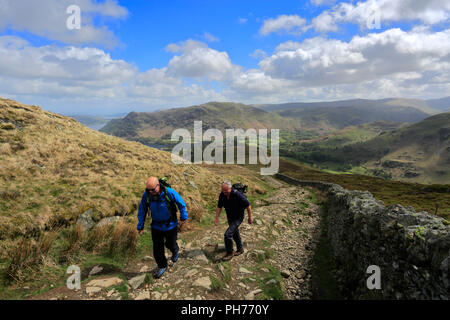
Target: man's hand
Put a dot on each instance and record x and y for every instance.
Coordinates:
(250, 220)
(216, 222)
(140, 231)
(183, 225)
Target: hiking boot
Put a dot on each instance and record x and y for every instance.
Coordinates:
(239, 252)
(174, 257)
(228, 256)
(159, 273)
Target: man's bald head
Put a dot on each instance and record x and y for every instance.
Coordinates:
(153, 185)
(151, 182)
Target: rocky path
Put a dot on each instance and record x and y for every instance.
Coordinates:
(276, 263)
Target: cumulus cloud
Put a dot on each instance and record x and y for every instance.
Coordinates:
(291, 24)
(19, 59)
(47, 18)
(393, 63)
(197, 60)
(320, 61)
(89, 75)
(413, 63)
(363, 13)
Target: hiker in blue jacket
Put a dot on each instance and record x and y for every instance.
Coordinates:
(162, 202)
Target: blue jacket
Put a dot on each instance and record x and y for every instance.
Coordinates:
(160, 212)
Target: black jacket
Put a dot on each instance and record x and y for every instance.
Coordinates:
(234, 206)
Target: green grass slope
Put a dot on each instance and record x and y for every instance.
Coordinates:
(419, 152)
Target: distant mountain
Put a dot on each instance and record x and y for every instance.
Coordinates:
(321, 118)
(440, 104)
(92, 122)
(301, 105)
(427, 106)
(95, 122)
(218, 115)
(339, 117)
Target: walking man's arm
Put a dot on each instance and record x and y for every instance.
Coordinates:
(216, 222)
(249, 211)
(143, 208)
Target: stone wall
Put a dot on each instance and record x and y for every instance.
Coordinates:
(411, 248)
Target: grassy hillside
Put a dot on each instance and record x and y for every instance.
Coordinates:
(53, 169)
(420, 197)
(346, 136)
(419, 152)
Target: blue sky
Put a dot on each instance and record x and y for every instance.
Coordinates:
(152, 25)
(144, 55)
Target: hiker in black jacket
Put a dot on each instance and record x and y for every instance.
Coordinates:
(235, 203)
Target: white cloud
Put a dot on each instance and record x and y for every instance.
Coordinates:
(325, 22)
(320, 61)
(393, 63)
(18, 59)
(255, 81)
(47, 18)
(210, 37)
(197, 60)
(414, 63)
(74, 76)
(258, 54)
(291, 24)
(363, 13)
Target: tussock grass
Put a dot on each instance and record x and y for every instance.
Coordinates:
(123, 239)
(70, 246)
(27, 255)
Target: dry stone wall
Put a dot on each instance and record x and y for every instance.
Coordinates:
(412, 249)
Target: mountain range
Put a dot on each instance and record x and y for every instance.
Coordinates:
(404, 139)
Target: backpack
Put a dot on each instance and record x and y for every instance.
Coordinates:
(242, 188)
(171, 205)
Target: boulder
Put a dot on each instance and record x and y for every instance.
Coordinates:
(137, 281)
(108, 221)
(85, 220)
(203, 282)
(145, 295)
(104, 283)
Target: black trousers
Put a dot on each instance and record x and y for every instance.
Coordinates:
(161, 239)
(232, 233)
